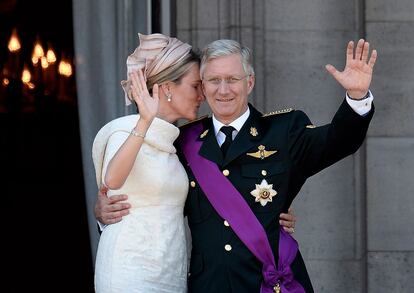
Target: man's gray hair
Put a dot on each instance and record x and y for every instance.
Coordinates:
(221, 48)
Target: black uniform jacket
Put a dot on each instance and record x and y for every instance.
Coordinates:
(220, 262)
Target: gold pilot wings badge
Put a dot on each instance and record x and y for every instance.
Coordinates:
(263, 192)
(261, 153)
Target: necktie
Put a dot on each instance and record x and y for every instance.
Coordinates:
(228, 131)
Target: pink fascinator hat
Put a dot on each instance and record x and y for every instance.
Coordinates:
(155, 53)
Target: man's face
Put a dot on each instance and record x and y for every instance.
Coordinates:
(226, 87)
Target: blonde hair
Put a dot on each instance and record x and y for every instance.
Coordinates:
(176, 72)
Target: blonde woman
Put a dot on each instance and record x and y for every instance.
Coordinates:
(135, 155)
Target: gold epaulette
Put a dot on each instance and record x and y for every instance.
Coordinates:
(283, 111)
(193, 121)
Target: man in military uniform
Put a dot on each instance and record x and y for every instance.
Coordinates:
(267, 159)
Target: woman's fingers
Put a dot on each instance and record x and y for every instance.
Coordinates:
(138, 86)
(136, 82)
(141, 81)
(155, 91)
(135, 94)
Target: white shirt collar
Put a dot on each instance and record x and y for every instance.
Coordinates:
(237, 124)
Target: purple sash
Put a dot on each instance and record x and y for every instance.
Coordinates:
(244, 223)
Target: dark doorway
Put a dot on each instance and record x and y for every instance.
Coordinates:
(46, 233)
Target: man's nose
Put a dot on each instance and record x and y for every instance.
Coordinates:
(223, 87)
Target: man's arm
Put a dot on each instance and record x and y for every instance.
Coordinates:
(315, 148)
(110, 210)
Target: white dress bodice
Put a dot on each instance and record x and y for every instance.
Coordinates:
(147, 250)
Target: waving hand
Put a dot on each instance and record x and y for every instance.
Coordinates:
(147, 105)
(357, 74)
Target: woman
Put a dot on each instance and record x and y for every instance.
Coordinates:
(135, 155)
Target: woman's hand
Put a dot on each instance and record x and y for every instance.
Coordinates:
(147, 105)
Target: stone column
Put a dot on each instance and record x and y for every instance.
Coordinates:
(390, 148)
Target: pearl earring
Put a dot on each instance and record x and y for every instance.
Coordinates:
(169, 97)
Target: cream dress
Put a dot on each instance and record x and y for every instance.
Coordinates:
(147, 250)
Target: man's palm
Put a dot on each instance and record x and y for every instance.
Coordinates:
(357, 74)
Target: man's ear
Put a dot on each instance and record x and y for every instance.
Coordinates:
(250, 83)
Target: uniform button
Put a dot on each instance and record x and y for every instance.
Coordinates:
(226, 172)
(264, 172)
(193, 184)
(227, 247)
(226, 223)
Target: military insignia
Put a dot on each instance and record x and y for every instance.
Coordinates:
(310, 126)
(283, 111)
(253, 131)
(261, 153)
(204, 134)
(264, 192)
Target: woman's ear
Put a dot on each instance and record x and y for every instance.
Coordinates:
(165, 88)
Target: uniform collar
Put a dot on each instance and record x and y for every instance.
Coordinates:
(245, 139)
(237, 124)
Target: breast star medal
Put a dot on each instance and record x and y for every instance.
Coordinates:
(264, 192)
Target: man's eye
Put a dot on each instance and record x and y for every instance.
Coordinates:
(215, 80)
(233, 80)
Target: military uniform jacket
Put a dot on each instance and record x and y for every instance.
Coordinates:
(295, 150)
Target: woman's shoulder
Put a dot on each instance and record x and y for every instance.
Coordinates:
(121, 122)
(118, 125)
(124, 123)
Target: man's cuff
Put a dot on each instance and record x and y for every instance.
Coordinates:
(363, 106)
(101, 226)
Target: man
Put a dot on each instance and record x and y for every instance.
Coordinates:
(259, 165)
